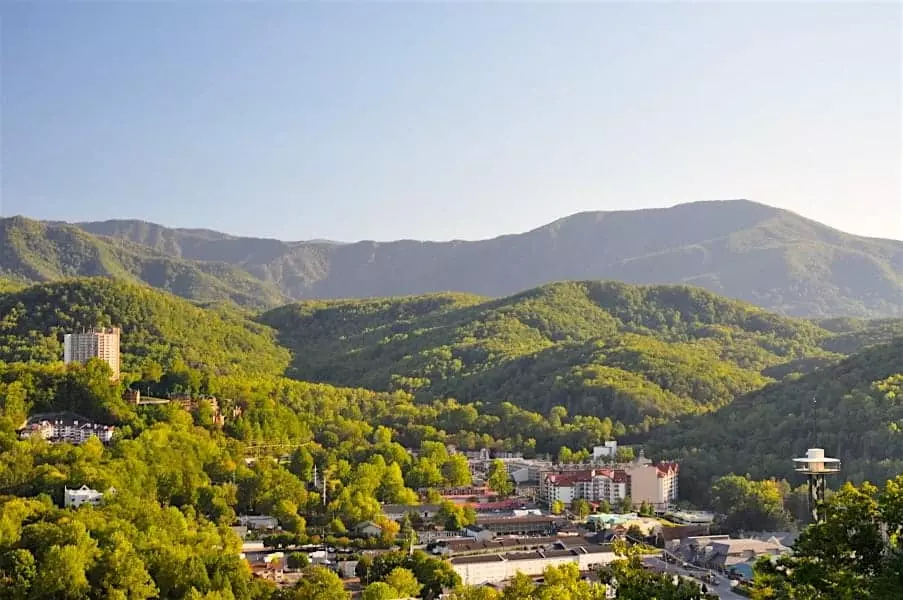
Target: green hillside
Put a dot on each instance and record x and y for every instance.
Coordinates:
(32, 252)
(638, 354)
(856, 415)
(156, 327)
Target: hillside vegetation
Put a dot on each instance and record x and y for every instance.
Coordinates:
(157, 328)
(853, 409)
(35, 252)
(635, 354)
(722, 385)
(763, 255)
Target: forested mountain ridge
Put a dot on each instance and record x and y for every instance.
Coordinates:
(635, 354)
(767, 256)
(33, 252)
(853, 409)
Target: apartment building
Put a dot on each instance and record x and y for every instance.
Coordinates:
(72, 431)
(102, 343)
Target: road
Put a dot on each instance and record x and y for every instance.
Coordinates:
(722, 590)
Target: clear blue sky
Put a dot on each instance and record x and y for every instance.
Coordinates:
(438, 121)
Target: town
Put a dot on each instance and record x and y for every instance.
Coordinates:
(516, 516)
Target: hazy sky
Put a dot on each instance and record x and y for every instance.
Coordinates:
(438, 121)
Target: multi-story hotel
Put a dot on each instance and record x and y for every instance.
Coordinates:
(593, 485)
(102, 343)
(641, 481)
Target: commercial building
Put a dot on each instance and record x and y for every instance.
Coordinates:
(723, 553)
(513, 525)
(102, 343)
(83, 495)
(495, 568)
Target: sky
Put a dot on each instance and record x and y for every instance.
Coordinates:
(378, 120)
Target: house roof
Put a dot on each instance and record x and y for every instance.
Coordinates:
(731, 546)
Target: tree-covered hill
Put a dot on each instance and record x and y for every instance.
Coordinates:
(638, 354)
(766, 256)
(32, 252)
(156, 327)
(853, 409)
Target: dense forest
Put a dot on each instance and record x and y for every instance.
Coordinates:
(853, 409)
(637, 355)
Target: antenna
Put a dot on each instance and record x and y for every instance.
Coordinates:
(815, 418)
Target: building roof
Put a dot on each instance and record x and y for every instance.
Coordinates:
(572, 477)
(409, 508)
(531, 555)
(460, 546)
(467, 560)
(667, 468)
(733, 546)
(482, 521)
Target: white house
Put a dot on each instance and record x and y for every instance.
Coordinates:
(368, 529)
(83, 495)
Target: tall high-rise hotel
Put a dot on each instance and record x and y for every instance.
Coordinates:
(102, 343)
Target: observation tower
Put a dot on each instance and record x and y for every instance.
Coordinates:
(816, 467)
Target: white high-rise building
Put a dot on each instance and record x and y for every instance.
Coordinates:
(102, 343)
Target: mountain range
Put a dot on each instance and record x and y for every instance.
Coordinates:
(770, 257)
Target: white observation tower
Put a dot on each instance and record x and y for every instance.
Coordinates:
(816, 466)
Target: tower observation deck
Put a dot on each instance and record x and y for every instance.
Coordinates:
(816, 467)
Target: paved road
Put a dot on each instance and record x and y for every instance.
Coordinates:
(722, 590)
